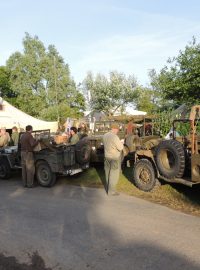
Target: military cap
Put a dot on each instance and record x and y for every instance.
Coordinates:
(114, 126)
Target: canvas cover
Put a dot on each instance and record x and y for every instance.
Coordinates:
(11, 116)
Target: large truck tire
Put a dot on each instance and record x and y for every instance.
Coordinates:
(44, 174)
(144, 175)
(170, 159)
(83, 151)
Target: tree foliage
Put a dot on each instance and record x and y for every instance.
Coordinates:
(112, 93)
(42, 81)
(5, 86)
(179, 81)
(146, 100)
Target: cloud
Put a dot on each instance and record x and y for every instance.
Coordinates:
(136, 53)
(129, 36)
(124, 53)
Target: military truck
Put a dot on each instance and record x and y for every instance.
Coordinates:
(175, 160)
(141, 124)
(50, 159)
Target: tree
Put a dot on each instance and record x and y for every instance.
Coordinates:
(42, 80)
(158, 99)
(179, 81)
(145, 100)
(5, 86)
(110, 94)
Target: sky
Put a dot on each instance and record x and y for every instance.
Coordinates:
(129, 36)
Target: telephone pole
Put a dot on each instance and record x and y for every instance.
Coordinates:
(56, 90)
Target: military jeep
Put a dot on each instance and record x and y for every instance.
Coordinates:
(141, 124)
(175, 160)
(50, 159)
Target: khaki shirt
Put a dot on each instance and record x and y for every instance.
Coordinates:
(15, 138)
(112, 145)
(132, 141)
(74, 139)
(4, 140)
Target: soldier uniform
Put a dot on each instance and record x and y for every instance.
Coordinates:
(4, 140)
(74, 138)
(4, 137)
(27, 159)
(15, 136)
(112, 163)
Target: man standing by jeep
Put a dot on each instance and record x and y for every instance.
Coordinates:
(112, 164)
(28, 167)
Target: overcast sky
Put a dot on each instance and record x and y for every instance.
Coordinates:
(130, 36)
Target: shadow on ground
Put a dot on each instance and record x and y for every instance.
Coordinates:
(192, 194)
(180, 191)
(100, 171)
(137, 256)
(11, 263)
(78, 234)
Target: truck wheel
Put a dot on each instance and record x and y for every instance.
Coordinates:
(144, 175)
(5, 171)
(45, 176)
(83, 151)
(170, 158)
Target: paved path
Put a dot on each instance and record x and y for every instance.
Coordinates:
(82, 228)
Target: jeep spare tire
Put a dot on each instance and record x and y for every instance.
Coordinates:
(83, 151)
(170, 159)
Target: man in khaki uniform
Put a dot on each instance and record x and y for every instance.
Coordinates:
(112, 165)
(15, 136)
(27, 159)
(74, 138)
(4, 137)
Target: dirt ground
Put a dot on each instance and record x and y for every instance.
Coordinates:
(11, 263)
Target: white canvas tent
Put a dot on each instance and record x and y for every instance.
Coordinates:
(131, 111)
(100, 115)
(11, 116)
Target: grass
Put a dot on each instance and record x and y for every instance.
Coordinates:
(175, 196)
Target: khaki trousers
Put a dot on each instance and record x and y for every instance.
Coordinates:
(28, 168)
(112, 169)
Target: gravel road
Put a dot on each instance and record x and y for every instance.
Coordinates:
(70, 227)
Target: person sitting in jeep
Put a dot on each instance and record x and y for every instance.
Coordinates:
(14, 136)
(82, 131)
(4, 137)
(74, 138)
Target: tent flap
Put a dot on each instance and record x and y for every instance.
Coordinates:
(11, 116)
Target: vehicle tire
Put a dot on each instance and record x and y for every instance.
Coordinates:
(5, 171)
(144, 175)
(44, 175)
(170, 158)
(83, 151)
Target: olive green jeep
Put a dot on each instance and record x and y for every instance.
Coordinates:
(142, 125)
(50, 159)
(175, 160)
